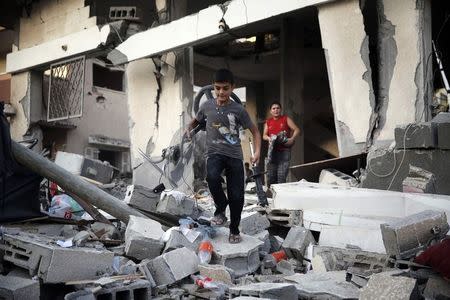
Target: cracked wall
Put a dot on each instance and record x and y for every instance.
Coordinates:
(380, 85)
(20, 100)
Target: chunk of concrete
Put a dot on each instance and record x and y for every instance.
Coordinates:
(18, 288)
(419, 181)
(253, 223)
(405, 237)
(139, 289)
(416, 136)
(437, 288)
(178, 240)
(266, 290)
(385, 286)
(243, 257)
(333, 176)
(217, 273)
(296, 241)
(285, 217)
(141, 197)
(175, 203)
(442, 123)
(143, 238)
(264, 237)
(172, 266)
(329, 285)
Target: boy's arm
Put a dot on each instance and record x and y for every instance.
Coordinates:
(265, 133)
(295, 131)
(257, 143)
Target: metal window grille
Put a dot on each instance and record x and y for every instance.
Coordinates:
(66, 89)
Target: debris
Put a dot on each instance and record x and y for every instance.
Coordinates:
(16, 288)
(437, 288)
(266, 290)
(175, 203)
(419, 181)
(333, 176)
(143, 238)
(297, 241)
(284, 217)
(217, 273)
(386, 286)
(405, 237)
(142, 198)
(253, 223)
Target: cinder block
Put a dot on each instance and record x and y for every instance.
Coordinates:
(253, 223)
(141, 197)
(172, 266)
(286, 218)
(143, 238)
(176, 205)
(442, 123)
(405, 237)
(418, 136)
(296, 242)
(178, 240)
(385, 286)
(137, 290)
(18, 288)
(266, 290)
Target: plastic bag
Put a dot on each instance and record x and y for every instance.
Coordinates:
(64, 206)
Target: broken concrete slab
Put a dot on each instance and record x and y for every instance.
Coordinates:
(343, 206)
(328, 284)
(416, 136)
(264, 237)
(17, 288)
(217, 273)
(253, 223)
(243, 257)
(284, 217)
(143, 238)
(442, 123)
(385, 286)
(43, 258)
(419, 181)
(172, 266)
(296, 242)
(333, 176)
(141, 197)
(405, 237)
(266, 290)
(139, 289)
(178, 240)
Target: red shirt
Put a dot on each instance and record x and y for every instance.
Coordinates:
(276, 126)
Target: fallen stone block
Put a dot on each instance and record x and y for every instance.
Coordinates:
(264, 237)
(143, 238)
(52, 263)
(416, 136)
(243, 258)
(285, 218)
(285, 267)
(141, 197)
(172, 266)
(437, 288)
(296, 242)
(18, 288)
(385, 286)
(265, 290)
(404, 238)
(139, 289)
(217, 273)
(178, 240)
(442, 123)
(275, 243)
(175, 203)
(253, 223)
(329, 285)
(335, 177)
(105, 231)
(419, 181)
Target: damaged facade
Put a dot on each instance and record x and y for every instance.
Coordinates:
(114, 81)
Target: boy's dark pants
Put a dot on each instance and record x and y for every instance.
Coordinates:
(234, 172)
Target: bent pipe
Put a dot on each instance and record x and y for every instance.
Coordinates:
(206, 90)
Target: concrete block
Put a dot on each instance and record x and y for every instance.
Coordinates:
(141, 197)
(137, 290)
(275, 243)
(243, 258)
(176, 204)
(442, 123)
(333, 176)
(266, 290)
(385, 286)
(418, 136)
(264, 237)
(18, 288)
(80, 295)
(54, 264)
(405, 237)
(297, 239)
(253, 223)
(172, 266)
(70, 161)
(285, 267)
(178, 240)
(285, 218)
(96, 170)
(419, 181)
(437, 288)
(328, 285)
(217, 273)
(143, 238)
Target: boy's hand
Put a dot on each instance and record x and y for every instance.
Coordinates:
(255, 158)
(290, 142)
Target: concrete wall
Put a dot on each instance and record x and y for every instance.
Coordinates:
(155, 126)
(51, 19)
(347, 53)
(363, 117)
(20, 100)
(107, 117)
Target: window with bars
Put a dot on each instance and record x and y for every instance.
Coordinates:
(66, 89)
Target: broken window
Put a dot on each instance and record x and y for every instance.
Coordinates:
(66, 84)
(107, 78)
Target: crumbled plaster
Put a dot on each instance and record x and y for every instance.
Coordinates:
(346, 141)
(20, 100)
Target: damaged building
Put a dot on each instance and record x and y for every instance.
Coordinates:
(92, 81)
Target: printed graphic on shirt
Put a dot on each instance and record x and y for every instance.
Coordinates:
(230, 134)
